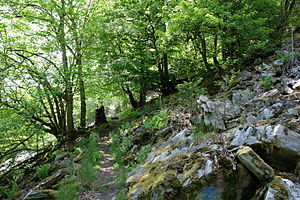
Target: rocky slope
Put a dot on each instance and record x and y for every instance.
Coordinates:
(254, 152)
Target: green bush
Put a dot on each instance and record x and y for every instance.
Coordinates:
(158, 121)
(266, 82)
(120, 143)
(68, 190)
(143, 153)
(121, 196)
(9, 192)
(43, 171)
(189, 92)
(130, 114)
(199, 131)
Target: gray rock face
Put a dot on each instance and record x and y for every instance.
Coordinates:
(278, 134)
(280, 188)
(292, 188)
(296, 85)
(278, 62)
(216, 112)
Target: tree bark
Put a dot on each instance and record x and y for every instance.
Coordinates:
(82, 95)
(67, 72)
(100, 117)
(215, 57)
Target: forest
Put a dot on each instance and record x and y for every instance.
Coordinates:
(64, 63)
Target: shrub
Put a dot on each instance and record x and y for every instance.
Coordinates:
(130, 114)
(266, 82)
(43, 171)
(189, 91)
(158, 121)
(199, 130)
(120, 145)
(68, 190)
(143, 153)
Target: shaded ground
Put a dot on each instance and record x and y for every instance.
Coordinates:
(104, 187)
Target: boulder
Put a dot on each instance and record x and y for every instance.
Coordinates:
(254, 163)
(296, 85)
(278, 62)
(218, 112)
(276, 144)
(280, 188)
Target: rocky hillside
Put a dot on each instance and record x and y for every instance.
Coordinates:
(241, 144)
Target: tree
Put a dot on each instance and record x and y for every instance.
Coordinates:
(53, 60)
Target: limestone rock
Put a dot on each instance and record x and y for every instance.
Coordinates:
(296, 85)
(278, 62)
(254, 163)
(280, 188)
(217, 112)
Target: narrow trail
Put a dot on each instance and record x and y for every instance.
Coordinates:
(104, 187)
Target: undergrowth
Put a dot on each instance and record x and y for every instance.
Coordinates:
(188, 92)
(158, 121)
(82, 177)
(202, 132)
(121, 144)
(13, 188)
(266, 82)
(43, 171)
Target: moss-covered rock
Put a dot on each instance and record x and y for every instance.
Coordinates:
(255, 164)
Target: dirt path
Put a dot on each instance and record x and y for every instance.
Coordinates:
(104, 187)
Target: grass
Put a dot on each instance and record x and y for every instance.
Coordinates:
(82, 177)
(158, 121)
(266, 82)
(43, 171)
(68, 190)
(12, 189)
(130, 114)
(143, 153)
(120, 144)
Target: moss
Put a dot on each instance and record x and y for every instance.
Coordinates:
(166, 149)
(192, 169)
(160, 178)
(224, 162)
(255, 164)
(277, 185)
(231, 179)
(153, 178)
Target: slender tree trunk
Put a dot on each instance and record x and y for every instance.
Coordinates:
(67, 72)
(215, 57)
(82, 95)
(165, 78)
(204, 52)
(132, 100)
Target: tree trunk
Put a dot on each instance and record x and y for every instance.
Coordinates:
(132, 100)
(100, 117)
(215, 57)
(204, 52)
(67, 72)
(82, 95)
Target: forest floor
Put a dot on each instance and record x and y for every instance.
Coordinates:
(104, 187)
